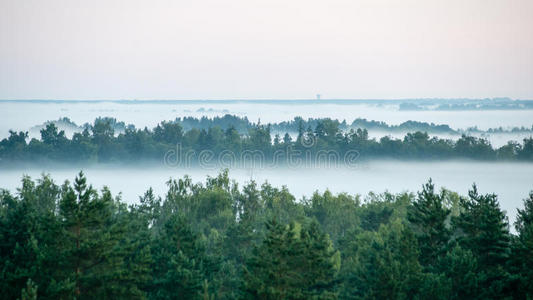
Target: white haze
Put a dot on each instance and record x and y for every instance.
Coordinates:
(510, 181)
(495, 139)
(22, 116)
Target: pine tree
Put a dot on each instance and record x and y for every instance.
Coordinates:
(238, 244)
(92, 261)
(131, 257)
(384, 265)
(178, 262)
(460, 268)
(272, 272)
(288, 265)
(522, 257)
(28, 236)
(18, 246)
(483, 229)
(319, 265)
(428, 216)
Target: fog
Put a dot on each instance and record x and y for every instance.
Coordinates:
(24, 115)
(510, 181)
(496, 139)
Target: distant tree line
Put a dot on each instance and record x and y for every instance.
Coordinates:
(218, 241)
(66, 123)
(100, 143)
(467, 104)
(242, 125)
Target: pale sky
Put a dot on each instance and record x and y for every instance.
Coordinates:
(223, 49)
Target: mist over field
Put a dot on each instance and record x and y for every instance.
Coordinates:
(368, 176)
(146, 114)
(510, 181)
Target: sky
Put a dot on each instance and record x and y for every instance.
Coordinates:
(265, 49)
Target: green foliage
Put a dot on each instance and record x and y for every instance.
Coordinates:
(483, 229)
(522, 257)
(428, 216)
(238, 140)
(179, 260)
(384, 265)
(30, 292)
(460, 268)
(291, 264)
(336, 214)
(214, 240)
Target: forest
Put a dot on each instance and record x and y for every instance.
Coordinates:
(217, 240)
(243, 124)
(100, 142)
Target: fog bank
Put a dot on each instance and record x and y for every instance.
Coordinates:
(22, 116)
(510, 181)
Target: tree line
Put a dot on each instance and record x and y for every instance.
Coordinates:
(216, 240)
(243, 124)
(100, 143)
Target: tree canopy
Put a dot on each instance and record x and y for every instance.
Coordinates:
(216, 240)
(226, 140)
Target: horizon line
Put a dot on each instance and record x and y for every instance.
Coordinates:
(263, 99)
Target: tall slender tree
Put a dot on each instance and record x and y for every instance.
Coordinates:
(428, 216)
(483, 229)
